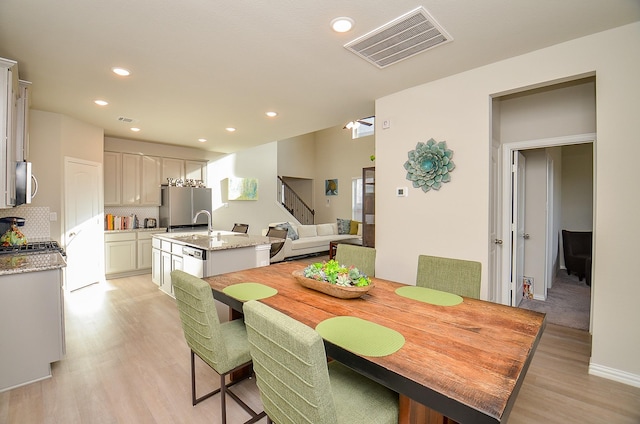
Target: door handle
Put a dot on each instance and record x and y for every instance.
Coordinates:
(526, 236)
(497, 241)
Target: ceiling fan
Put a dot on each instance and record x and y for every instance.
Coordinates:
(362, 121)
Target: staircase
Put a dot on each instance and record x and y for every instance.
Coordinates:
(294, 204)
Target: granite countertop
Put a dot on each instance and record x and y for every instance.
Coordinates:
(219, 240)
(30, 262)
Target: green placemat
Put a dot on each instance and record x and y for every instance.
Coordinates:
(360, 336)
(249, 291)
(435, 297)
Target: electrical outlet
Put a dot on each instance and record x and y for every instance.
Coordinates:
(386, 124)
(402, 192)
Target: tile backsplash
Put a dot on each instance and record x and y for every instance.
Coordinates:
(37, 224)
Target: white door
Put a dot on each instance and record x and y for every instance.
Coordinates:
(518, 234)
(83, 222)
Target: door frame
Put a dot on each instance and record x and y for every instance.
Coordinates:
(504, 285)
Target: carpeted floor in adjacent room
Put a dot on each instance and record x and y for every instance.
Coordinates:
(568, 302)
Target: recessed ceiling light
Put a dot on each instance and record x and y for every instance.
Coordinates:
(202, 140)
(342, 24)
(121, 71)
(134, 129)
(101, 102)
(230, 129)
(271, 114)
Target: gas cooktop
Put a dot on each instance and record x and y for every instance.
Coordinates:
(33, 247)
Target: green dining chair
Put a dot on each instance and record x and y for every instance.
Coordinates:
(224, 347)
(450, 275)
(296, 384)
(363, 258)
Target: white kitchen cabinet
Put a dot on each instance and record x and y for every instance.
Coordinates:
(165, 265)
(120, 252)
(167, 257)
(22, 128)
(128, 253)
(131, 179)
(32, 309)
(150, 180)
(144, 250)
(195, 170)
(156, 266)
(112, 164)
(9, 96)
(172, 168)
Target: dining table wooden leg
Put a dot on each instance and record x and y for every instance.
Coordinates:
(412, 412)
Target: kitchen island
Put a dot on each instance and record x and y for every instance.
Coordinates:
(206, 255)
(31, 316)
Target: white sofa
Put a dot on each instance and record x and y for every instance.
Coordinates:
(311, 239)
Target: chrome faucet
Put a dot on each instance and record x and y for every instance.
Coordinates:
(209, 227)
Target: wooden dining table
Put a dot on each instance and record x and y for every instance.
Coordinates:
(463, 363)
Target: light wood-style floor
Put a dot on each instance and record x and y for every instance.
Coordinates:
(127, 362)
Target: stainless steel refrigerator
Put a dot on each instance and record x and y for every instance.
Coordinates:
(179, 206)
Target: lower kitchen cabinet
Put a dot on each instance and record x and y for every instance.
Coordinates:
(128, 253)
(120, 253)
(167, 257)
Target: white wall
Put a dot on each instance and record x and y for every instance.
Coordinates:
(577, 187)
(53, 136)
(259, 162)
(454, 221)
(339, 156)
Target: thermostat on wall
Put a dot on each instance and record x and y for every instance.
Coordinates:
(402, 192)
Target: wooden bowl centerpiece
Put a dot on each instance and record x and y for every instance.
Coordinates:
(344, 282)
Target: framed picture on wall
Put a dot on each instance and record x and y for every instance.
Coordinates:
(331, 187)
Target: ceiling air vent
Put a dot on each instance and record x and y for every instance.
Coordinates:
(400, 39)
(125, 119)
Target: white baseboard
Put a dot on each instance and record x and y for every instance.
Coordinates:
(539, 297)
(615, 375)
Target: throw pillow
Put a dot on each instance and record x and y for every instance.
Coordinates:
(353, 230)
(291, 233)
(344, 226)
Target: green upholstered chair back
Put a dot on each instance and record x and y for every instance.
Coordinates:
(200, 321)
(364, 258)
(450, 275)
(290, 365)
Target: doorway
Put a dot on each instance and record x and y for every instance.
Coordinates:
(515, 239)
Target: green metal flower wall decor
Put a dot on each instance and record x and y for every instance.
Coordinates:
(429, 165)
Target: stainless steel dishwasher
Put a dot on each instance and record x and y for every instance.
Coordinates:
(193, 260)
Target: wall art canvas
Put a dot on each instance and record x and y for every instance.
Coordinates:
(243, 189)
(331, 187)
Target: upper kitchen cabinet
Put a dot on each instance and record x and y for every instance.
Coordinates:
(172, 168)
(196, 170)
(22, 129)
(179, 169)
(131, 180)
(9, 96)
(150, 180)
(112, 163)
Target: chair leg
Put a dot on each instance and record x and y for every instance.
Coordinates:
(195, 400)
(224, 391)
